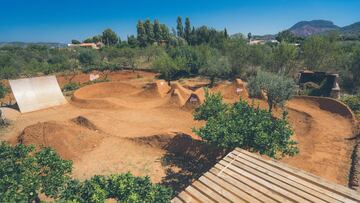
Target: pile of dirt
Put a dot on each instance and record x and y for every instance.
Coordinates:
(68, 139)
(159, 88)
(232, 90)
(181, 144)
(84, 122)
(183, 97)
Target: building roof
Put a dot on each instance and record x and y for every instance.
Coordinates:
(242, 176)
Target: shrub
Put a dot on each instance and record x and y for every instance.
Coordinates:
(353, 101)
(244, 126)
(71, 86)
(278, 89)
(123, 188)
(24, 173)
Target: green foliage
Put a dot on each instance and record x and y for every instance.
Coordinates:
(179, 27)
(284, 58)
(286, 36)
(242, 125)
(71, 86)
(212, 107)
(123, 188)
(353, 101)
(88, 57)
(24, 173)
(320, 53)
(169, 68)
(74, 41)
(3, 90)
(216, 66)
(278, 89)
(109, 37)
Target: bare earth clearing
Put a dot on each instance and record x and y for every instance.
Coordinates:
(132, 125)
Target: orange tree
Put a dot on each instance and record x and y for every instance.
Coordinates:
(242, 125)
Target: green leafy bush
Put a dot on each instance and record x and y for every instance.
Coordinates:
(25, 172)
(242, 125)
(71, 86)
(123, 188)
(278, 89)
(353, 101)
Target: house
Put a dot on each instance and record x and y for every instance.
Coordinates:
(88, 45)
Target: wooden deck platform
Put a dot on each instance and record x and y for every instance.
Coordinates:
(242, 176)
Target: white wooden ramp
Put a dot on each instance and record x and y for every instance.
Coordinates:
(242, 176)
(37, 93)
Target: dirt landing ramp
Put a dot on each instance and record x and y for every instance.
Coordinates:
(232, 90)
(71, 141)
(37, 93)
(159, 88)
(184, 97)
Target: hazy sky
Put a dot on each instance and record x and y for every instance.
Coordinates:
(63, 20)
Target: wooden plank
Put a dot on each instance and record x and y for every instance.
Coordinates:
(264, 175)
(339, 189)
(245, 197)
(254, 191)
(176, 200)
(266, 187)
(209, 192)
(220, 189)
(198, 194)
(186, 197)
(291, 180)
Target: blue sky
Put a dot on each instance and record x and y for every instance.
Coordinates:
(63, 20)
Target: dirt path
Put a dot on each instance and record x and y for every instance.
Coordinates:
(323, 141)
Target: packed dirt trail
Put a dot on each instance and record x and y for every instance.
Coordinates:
(323, 141)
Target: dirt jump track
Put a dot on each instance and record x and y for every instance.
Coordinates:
(323, 128)
(134, 124)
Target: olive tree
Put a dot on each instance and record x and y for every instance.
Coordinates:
(168, 67)
(278, 88)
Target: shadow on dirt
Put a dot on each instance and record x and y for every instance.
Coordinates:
(186, 160)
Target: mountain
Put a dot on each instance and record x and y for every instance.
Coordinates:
(353, 29)
(25, 44)
(307, 28)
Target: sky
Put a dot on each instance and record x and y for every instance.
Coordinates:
(64, 20)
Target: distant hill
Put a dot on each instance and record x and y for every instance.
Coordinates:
(307, 28)
(24, 44)
(353, 29)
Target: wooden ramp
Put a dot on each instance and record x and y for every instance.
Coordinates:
(242, 176)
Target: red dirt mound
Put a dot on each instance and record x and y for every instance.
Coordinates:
(178, 94)
(196, 99)
(69, 140)
(84, 122)
(159, 88)
(233, 90)
(97, 95)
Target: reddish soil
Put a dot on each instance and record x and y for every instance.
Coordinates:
(130, 124)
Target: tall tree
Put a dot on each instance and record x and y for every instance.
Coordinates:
(109, 37)
(141, 35)
(179, 27)
(149, 31)
(164, 32)
(157, 31)
(187, 30)
(249, 36)
(226, 33)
